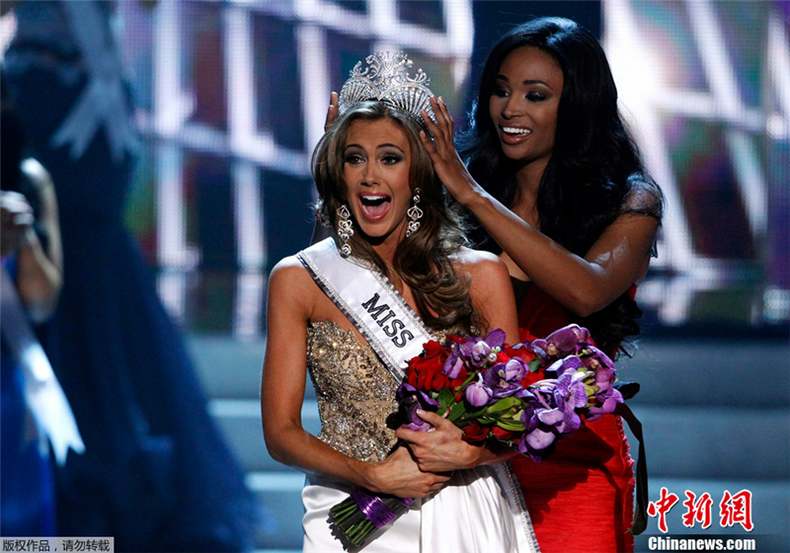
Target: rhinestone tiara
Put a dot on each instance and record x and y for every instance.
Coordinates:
(384, 77)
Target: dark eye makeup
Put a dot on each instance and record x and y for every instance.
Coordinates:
(391, 159)
(535, 96)
(353, 158)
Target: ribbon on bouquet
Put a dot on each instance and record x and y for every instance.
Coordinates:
(43, 394)
(639, 523)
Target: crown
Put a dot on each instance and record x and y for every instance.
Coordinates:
(384, 77)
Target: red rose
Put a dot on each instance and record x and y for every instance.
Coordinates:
(525, 354)
(425, 370)
(502, 434)
(432, 349)
(531, 378)
(525, 335)
(475, 432)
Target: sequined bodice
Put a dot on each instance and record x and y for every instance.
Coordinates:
(355, 392)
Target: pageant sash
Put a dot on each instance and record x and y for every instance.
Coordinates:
(102, 105)
(43, 393)
(368, 299)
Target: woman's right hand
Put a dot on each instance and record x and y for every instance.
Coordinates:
(399, 475)
(446, 160)
(332, 111)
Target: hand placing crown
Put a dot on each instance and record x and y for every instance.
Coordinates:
(385, 77)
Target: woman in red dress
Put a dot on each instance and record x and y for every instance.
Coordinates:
(559, 191)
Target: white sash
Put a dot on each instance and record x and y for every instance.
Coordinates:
(43, 393)
(369, 300)
(102, 103)
(396, 334)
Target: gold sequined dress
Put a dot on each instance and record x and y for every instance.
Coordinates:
(480, 511)
(355, 392)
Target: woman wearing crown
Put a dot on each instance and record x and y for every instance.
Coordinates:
(352, 308)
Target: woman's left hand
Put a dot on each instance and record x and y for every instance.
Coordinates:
(447, 162)
(441, 449)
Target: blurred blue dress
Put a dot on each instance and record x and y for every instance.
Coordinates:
(156, 474)
(27, 495)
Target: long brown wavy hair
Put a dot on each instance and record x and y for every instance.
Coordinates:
(422, 260)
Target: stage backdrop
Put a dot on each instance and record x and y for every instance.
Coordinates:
(231, 101)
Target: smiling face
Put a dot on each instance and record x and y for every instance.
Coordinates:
(524, 104)
(376, 169)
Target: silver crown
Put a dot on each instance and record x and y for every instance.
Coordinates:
(384, 77)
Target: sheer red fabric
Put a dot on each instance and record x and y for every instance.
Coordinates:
(581, 497)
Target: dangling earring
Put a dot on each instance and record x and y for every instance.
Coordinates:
(345, 229)
(414, 213)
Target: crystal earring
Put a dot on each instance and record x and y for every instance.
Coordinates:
(345, 229)
(414, 213)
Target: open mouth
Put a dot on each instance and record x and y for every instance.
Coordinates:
(514, 135)
(375, 206)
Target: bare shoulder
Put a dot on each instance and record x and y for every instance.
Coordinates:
(644, 197)
(490, 290)
(478, 262)
(289, 280)
(484, 269)
(36, 173)
(289, 272)
(40, 178)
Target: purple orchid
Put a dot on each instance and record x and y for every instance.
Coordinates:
(603, 367)
(477, 393)
(570, 395)
(410, 399)
(571, 363)
(535, 347)
(537, 440)
(606, 403)
(536, 437)
(479, 353)
(505, 378)
(543, 392)
(566, 340)
(454, 363)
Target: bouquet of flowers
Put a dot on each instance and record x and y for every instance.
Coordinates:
(522, 397)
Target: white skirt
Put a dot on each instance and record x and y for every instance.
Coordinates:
(480, 510)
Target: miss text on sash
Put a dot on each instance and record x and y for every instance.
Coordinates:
(375, 311)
